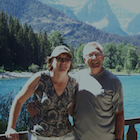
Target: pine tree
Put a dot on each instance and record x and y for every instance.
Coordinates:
(4, 36)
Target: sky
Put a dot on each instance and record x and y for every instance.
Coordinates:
(132, 5)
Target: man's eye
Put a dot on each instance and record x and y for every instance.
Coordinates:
(90, 55)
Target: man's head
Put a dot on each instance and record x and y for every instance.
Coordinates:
(93, 55)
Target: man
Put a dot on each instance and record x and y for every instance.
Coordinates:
(98, 111)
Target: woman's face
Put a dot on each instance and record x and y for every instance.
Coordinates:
(61, 63)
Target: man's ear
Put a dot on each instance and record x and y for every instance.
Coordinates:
(103, 56)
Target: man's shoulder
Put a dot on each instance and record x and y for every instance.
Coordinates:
(111, 76)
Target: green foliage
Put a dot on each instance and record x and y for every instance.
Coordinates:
(33, 68)
(118, 68)
(138, 63)
(3, 126)
(110, 55)
(131, 59)
(79, 54)
(5, 105)
(23, 119)
(20, 46)
(121, 56)
(44, 67)
(55, 38)
(2, 68)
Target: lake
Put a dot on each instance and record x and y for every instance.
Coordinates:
(131, 94)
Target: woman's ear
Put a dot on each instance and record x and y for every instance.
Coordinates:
(84, 59)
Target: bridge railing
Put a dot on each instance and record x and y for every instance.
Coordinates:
(131, 134)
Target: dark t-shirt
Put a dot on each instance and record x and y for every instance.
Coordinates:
(97, 100)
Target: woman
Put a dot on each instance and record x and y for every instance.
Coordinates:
(53, 96)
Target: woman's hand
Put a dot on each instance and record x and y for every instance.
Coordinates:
(12, 134)
(31, 109)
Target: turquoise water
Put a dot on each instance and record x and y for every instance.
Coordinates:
(11, 85)
(131, 94)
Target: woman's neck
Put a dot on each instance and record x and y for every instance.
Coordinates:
(58, 78)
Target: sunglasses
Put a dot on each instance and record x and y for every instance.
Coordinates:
(97, 55)
(61, 59)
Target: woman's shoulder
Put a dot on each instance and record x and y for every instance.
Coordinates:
(39, 75)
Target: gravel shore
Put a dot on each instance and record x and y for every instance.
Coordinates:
(15, 75)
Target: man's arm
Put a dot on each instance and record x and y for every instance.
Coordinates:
(119, 124)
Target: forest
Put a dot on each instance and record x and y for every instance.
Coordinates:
(21, 47)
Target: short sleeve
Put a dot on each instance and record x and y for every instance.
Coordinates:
(117, 99)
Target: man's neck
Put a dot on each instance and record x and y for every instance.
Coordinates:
(95, 71)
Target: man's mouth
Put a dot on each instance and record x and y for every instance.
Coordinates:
(95, 62)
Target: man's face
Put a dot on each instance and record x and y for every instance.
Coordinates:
(94, 58)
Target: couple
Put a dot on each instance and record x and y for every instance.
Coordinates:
(95, 100)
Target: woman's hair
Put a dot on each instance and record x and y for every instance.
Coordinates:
(49, 61)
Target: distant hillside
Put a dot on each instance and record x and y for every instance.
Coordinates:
(43, 17)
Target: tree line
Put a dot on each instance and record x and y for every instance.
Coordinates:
(20, 47)
(117, 56)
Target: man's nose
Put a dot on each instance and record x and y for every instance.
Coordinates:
(93, 57)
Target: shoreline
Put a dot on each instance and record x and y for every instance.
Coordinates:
(10, 75)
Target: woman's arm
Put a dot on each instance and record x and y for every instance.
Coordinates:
(20, 99)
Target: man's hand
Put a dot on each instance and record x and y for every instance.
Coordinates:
(32, 110)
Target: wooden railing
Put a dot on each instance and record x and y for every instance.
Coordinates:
(22, 136)
(130, 135)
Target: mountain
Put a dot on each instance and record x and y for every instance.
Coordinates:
(63, 8)
(99, 14)
(134, 25)
(45, 18)
(123, 15)
(94, 12)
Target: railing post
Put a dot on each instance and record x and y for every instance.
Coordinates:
(131, 133)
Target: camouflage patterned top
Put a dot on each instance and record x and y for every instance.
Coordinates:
(52, 119)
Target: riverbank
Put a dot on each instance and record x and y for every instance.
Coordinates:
(29, 74)
(15, 75)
